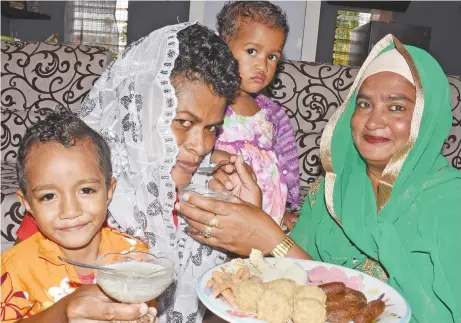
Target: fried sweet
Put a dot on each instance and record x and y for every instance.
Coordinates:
(308, 310)
(285, 287)
(247, 294)
(343, 308)
(354, 296)
(311, 292)
(273, 307)
(370, 312)
(333, 288)
(342, 315)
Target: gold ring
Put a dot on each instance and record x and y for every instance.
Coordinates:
(207, 232)
(214, 223)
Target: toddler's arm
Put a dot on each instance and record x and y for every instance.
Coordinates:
(285, 149)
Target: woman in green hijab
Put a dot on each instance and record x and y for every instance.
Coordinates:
(389, 203)
(392, 205)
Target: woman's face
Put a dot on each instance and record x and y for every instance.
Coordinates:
(382, 117)
(199, 114)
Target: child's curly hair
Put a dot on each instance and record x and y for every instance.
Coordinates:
(66, 128)
(205, 57)
(235, 14)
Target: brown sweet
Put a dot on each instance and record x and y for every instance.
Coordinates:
(333, 288)
(354, 296)
(342, 308)
(342, 315)
(370, 312)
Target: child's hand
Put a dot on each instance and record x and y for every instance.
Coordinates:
(289, 219)
(88, 303)
(238, 178)
(150, 317)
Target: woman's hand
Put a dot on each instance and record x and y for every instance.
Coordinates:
(89, 304)
(238, 177)
(241, 226)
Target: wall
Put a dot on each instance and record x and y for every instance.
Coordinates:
(444, 17)
(39, 30)
(147, 16)
(6, 26)
(144, 17)
(295, 11)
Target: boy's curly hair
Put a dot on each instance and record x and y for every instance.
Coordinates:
(65, 128)
(236, 14)
(205, 57)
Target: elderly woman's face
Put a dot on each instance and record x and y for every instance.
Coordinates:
(199, 114)
(382, 117)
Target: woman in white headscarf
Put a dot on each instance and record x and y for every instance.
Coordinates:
(159, 105)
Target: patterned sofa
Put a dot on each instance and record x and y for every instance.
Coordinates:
(36, 77)
(311, 92)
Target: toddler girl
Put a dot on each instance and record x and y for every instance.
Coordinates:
(254, 126)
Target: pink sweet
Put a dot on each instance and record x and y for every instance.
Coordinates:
(322, 275)
(355, 282)
(317, 274)
(334, 275)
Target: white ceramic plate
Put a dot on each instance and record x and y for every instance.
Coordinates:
(397, 308)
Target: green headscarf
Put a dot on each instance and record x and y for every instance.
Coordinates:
(414, 230)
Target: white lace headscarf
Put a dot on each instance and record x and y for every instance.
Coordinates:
(132, 105)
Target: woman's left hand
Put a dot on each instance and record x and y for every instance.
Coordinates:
(236, 226)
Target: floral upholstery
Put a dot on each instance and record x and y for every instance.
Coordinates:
(36, 77)
(311, 92)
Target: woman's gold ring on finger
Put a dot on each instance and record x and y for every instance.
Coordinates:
(207, 232)
(214, 223)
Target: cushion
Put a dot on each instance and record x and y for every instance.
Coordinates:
(37, 77)
(12, 210)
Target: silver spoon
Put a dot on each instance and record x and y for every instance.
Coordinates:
(210, 169)
(81, 264)
(107, 269)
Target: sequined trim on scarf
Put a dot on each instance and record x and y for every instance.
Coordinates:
(373, 268)
(314, 189)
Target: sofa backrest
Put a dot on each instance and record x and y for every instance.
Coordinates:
(311, 92)
(36, 77)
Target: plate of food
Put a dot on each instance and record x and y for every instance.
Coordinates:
(284, 290)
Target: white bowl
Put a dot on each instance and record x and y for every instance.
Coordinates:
(139, 276)
(219, 194)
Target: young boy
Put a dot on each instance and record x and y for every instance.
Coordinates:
(254, 126)
(65, 177)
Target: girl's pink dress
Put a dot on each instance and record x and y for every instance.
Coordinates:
(256, 139)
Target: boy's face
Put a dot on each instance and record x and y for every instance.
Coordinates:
(258, 49)
(66, 192)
